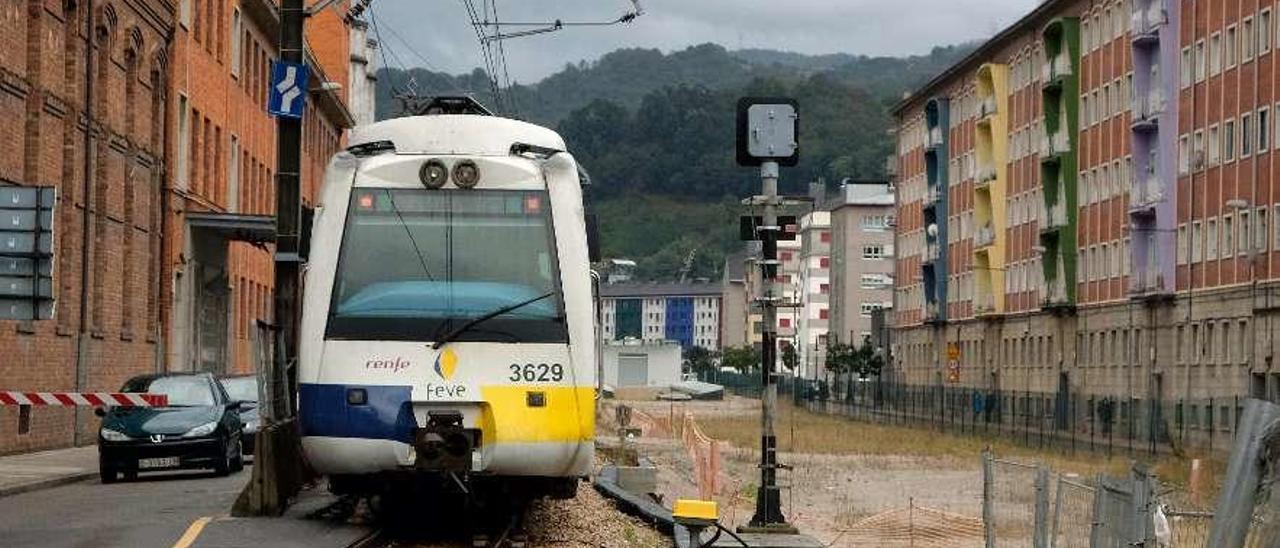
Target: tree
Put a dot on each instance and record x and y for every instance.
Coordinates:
(790, 359)
(743, 358)
(847, 358)
(700, 361)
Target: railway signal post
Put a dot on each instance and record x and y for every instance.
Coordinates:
(767, 136)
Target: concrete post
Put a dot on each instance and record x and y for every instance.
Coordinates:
(1244, 473)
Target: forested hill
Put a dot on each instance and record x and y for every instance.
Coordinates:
(656, 132)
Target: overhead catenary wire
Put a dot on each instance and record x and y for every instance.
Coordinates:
(486, 53)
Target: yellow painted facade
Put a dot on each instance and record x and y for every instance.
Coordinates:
(989, 194)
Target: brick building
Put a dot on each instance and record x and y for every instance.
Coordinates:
(82, 95)
(147, 119)
(223, 162)
(1083, 208)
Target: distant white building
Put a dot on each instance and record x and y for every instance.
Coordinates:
(633, 363)
(363, 79)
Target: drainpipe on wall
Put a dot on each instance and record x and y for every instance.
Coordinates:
(161, 188)
(89, 146)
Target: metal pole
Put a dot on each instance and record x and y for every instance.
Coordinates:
(988, 494)
(1041, 538)
(1244, 474)
(288, 205)
(768, 513)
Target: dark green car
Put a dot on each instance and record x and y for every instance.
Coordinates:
(199, 428)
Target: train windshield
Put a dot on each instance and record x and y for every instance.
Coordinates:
(416, 264)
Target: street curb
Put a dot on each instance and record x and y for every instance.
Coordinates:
(40, 485)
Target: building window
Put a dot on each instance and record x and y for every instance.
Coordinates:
(825, 237)
(824, 262)
(824, 289)
(1260, 234)
(1264, 31)
(784, 322)
(1231, 52)
(1215, 53)
(1228, 140)
(1245, 135)
(1197, 242)
(785, 256)
(1200, 61)
(1182, 244)
(823, 313)
(237, 30)
(1211, 239)
(1184, 155)
(1264, 129)
(1247, 40)
(1228, 237)
(233, 176)
(1246, 236)
(1215, 146)
(184, 142)
(1186, 66)
(873, 252)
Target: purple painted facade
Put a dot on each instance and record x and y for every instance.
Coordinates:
(1154, 145)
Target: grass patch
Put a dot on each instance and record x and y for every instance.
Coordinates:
(802, 431)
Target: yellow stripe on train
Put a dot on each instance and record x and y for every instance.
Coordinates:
(567, 414)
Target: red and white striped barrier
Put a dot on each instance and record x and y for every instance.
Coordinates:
(88, 399)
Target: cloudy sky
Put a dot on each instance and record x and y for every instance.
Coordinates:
(437, 34)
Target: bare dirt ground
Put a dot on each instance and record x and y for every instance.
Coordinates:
(850, 499)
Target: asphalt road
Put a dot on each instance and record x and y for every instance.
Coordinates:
(154, 510)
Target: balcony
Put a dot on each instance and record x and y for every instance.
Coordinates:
(1056, 216)
(934, 138)
(1147, 110)
(1148, 284)
(932, 195)
(986, 174)
(1054, 145)
(984, 304)
(932, 252)
(1145, 193)
(987, 107)
(985, 237)
(1055, 293)
(1145, 21)
(1058, 67)
(932, 312)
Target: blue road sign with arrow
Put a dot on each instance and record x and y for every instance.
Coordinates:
(288, 94)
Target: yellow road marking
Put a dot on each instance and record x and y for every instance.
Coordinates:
(193, 532)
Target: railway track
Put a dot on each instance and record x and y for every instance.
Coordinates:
(495, 527)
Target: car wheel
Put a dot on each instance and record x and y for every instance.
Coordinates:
(222, 466)
(237, 459)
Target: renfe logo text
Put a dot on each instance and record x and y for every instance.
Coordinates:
(394, 365)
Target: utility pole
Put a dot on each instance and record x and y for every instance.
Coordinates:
(288, 205)
(768, 131)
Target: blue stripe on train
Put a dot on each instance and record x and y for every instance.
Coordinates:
(388, 414)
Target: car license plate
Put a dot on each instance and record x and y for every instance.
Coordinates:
(166, 462)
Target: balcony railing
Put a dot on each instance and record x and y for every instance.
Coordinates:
(1053, 145)
(986, 173)
(985, 237)
(931, 310)
(1056, 68)
(1057, 215)
(932, 195)
(934, 138)
(1056, 291)
(1149, 281)
(987, 107)
(1145, 191)
(1148, 107)
(1147, 17)
(985, 303)
(932, 252)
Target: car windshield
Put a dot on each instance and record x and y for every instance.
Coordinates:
(183, 391)
(416, 263)
(244, 389)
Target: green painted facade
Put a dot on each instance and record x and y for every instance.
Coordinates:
(1059, 165)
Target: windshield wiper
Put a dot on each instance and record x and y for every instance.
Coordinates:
(450, 336)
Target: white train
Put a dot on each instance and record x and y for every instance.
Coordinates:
(448, 325)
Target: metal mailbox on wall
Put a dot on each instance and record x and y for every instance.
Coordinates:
(26, 253)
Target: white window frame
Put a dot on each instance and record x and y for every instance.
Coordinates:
(1231, 53)
(237, 41)
(182, 177)
(1215, 53)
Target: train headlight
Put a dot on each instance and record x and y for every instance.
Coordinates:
(434, 174)
(466, 174)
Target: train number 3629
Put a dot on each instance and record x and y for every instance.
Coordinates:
(540, 372)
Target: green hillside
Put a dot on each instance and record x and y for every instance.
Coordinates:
(656, 133)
